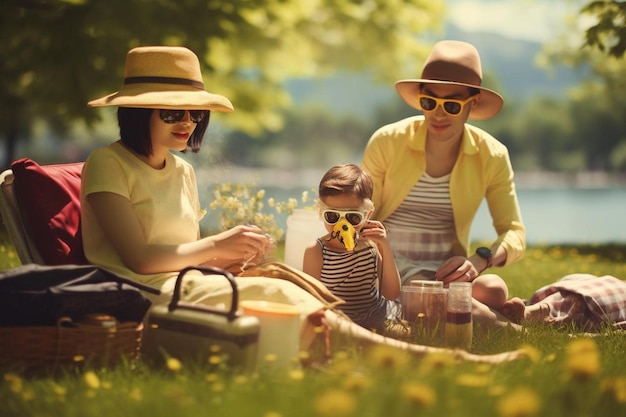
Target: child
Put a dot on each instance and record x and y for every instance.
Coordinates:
(354, 260)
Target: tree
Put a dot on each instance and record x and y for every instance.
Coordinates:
(609, 33)
(596, 107)
(58, 54)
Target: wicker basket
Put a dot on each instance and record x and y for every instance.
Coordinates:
(49, 347)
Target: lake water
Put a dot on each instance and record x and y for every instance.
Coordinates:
(551, 215)
(567, 215)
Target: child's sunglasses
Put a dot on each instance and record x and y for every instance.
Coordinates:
(175, 116)
(332, 216)
(451, 106)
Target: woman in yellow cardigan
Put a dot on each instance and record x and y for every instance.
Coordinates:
(431, 173)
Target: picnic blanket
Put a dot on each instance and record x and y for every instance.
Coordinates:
(586, 300)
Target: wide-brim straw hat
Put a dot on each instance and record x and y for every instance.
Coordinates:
(456, 63)
(163, 77)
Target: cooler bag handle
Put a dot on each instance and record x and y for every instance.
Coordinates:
(177, 303)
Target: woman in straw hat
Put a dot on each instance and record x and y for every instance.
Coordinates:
(431, 173)
(141, 211)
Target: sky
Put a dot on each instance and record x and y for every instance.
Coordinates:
(534, 20)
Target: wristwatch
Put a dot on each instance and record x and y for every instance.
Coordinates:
(486, 254)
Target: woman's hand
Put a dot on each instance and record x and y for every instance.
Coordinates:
(457, 268)
(243, 243)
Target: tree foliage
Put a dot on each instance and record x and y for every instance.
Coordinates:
(58, 54)
(609, 33)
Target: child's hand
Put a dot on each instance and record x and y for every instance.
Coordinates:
(373, 230)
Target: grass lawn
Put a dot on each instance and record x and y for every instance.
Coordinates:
(560, 375)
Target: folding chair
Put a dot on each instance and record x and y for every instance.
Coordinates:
(40, 207)
(24, 245)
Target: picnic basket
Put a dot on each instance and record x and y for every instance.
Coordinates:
(68, 344)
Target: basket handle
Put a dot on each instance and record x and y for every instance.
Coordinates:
(210, 270)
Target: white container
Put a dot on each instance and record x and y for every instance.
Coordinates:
(303, 227)
(279, 338)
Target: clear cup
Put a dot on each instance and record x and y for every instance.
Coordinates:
(424, 283)
(459, 326)
(424, 307)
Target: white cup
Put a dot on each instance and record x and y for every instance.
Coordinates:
(279, 338)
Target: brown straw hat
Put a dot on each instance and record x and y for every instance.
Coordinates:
(163, 77)
(458, 63)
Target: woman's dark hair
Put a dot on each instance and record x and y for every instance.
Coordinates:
(134, 126)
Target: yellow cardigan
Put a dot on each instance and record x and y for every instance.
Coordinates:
(395, 157)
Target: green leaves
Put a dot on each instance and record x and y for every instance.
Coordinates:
(609, 34)
(58, 54)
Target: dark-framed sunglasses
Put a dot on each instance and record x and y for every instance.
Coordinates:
(451, 106)
(175, 116)
(332, 216)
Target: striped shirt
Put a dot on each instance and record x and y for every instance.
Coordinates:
(353, 277)
(427, 207)
(421, 230)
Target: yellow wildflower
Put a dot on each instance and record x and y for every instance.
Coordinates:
(531, 353)
(174, 364)
(616, 386)
(59, 390)
(135, 394)
(437, 360)
(357, 382)
(296, 374)
(336, 403)
(212, 377)
(419, 394)
(475, 381)
(582, 358)
(387, 357)
(496, 390)
(15, 382)
(343, 364)
(215, 360)
(28, 395)
(520, 402)
(92, 380)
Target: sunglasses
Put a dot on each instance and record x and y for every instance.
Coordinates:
(332, 216)
(175, 116)
(451, 106)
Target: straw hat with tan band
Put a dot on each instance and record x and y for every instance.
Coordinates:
(163, 77)
(457, 63)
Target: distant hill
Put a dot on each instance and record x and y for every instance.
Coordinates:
(510, 62)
